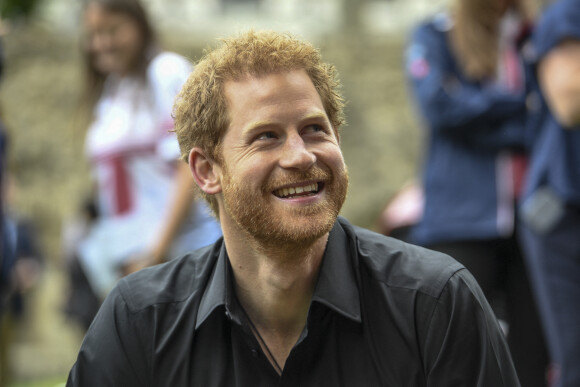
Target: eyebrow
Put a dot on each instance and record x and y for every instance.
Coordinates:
(258, 125)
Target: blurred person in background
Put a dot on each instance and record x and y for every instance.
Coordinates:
(7, 245)
(21, 259)
(402, 211)
(83, 301)
(550, 211)
(468, 79)
(143, 193)
(25, 274)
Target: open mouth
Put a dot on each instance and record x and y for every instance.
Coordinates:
(298, 191)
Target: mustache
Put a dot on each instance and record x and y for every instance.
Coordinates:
(289, 178)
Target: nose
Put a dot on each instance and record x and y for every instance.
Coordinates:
(295, 154)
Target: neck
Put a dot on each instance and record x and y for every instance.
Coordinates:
(275, 289)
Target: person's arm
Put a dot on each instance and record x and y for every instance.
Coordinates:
(456, 108)
(111, 353)
(166, 74)
(182, 199)
(179, 209)
(559, 76)
(463, 344)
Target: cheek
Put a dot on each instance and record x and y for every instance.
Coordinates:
(245, 171)
(134, 40)
(129, 47)
(332, 156)
(250, 164)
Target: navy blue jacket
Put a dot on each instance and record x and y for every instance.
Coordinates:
(555, 159)
(470, 126)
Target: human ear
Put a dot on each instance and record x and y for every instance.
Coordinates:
(205, 172)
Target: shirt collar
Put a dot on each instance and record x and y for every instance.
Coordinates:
(215, 292)
(336, 287)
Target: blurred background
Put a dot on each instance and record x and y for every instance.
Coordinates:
(39, 98)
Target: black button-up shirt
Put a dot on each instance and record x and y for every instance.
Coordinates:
(384, 313)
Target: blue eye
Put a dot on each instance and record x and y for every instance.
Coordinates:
(266, 136)
(315, 128)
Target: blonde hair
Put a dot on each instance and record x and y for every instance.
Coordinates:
(475, 34)
(201, 110)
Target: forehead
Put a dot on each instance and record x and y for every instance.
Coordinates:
(277, 95)
(97, 16)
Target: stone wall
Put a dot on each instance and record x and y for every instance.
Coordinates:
(210, 18)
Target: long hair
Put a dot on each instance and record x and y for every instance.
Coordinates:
(134, 9)
(475, 34)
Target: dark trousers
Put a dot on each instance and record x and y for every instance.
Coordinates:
(554, 262)
(498, 267)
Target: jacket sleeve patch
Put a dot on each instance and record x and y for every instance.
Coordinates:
(417, 64)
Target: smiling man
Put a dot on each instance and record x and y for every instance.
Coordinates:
(292, 295)
(281, 154)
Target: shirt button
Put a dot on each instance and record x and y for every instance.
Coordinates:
(255, 354)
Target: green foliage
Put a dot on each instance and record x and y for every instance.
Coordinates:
(40, 383)
(17, 9)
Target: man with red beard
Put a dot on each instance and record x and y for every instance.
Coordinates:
(292, 295)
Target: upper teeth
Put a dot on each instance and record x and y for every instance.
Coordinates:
(284, 192)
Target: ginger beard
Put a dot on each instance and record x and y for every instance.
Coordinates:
(275, 224)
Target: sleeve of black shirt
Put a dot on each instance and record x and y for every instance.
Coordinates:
(111, 353)
(463, 344)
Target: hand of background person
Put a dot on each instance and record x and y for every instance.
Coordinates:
(559, 74)
(137, 262)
